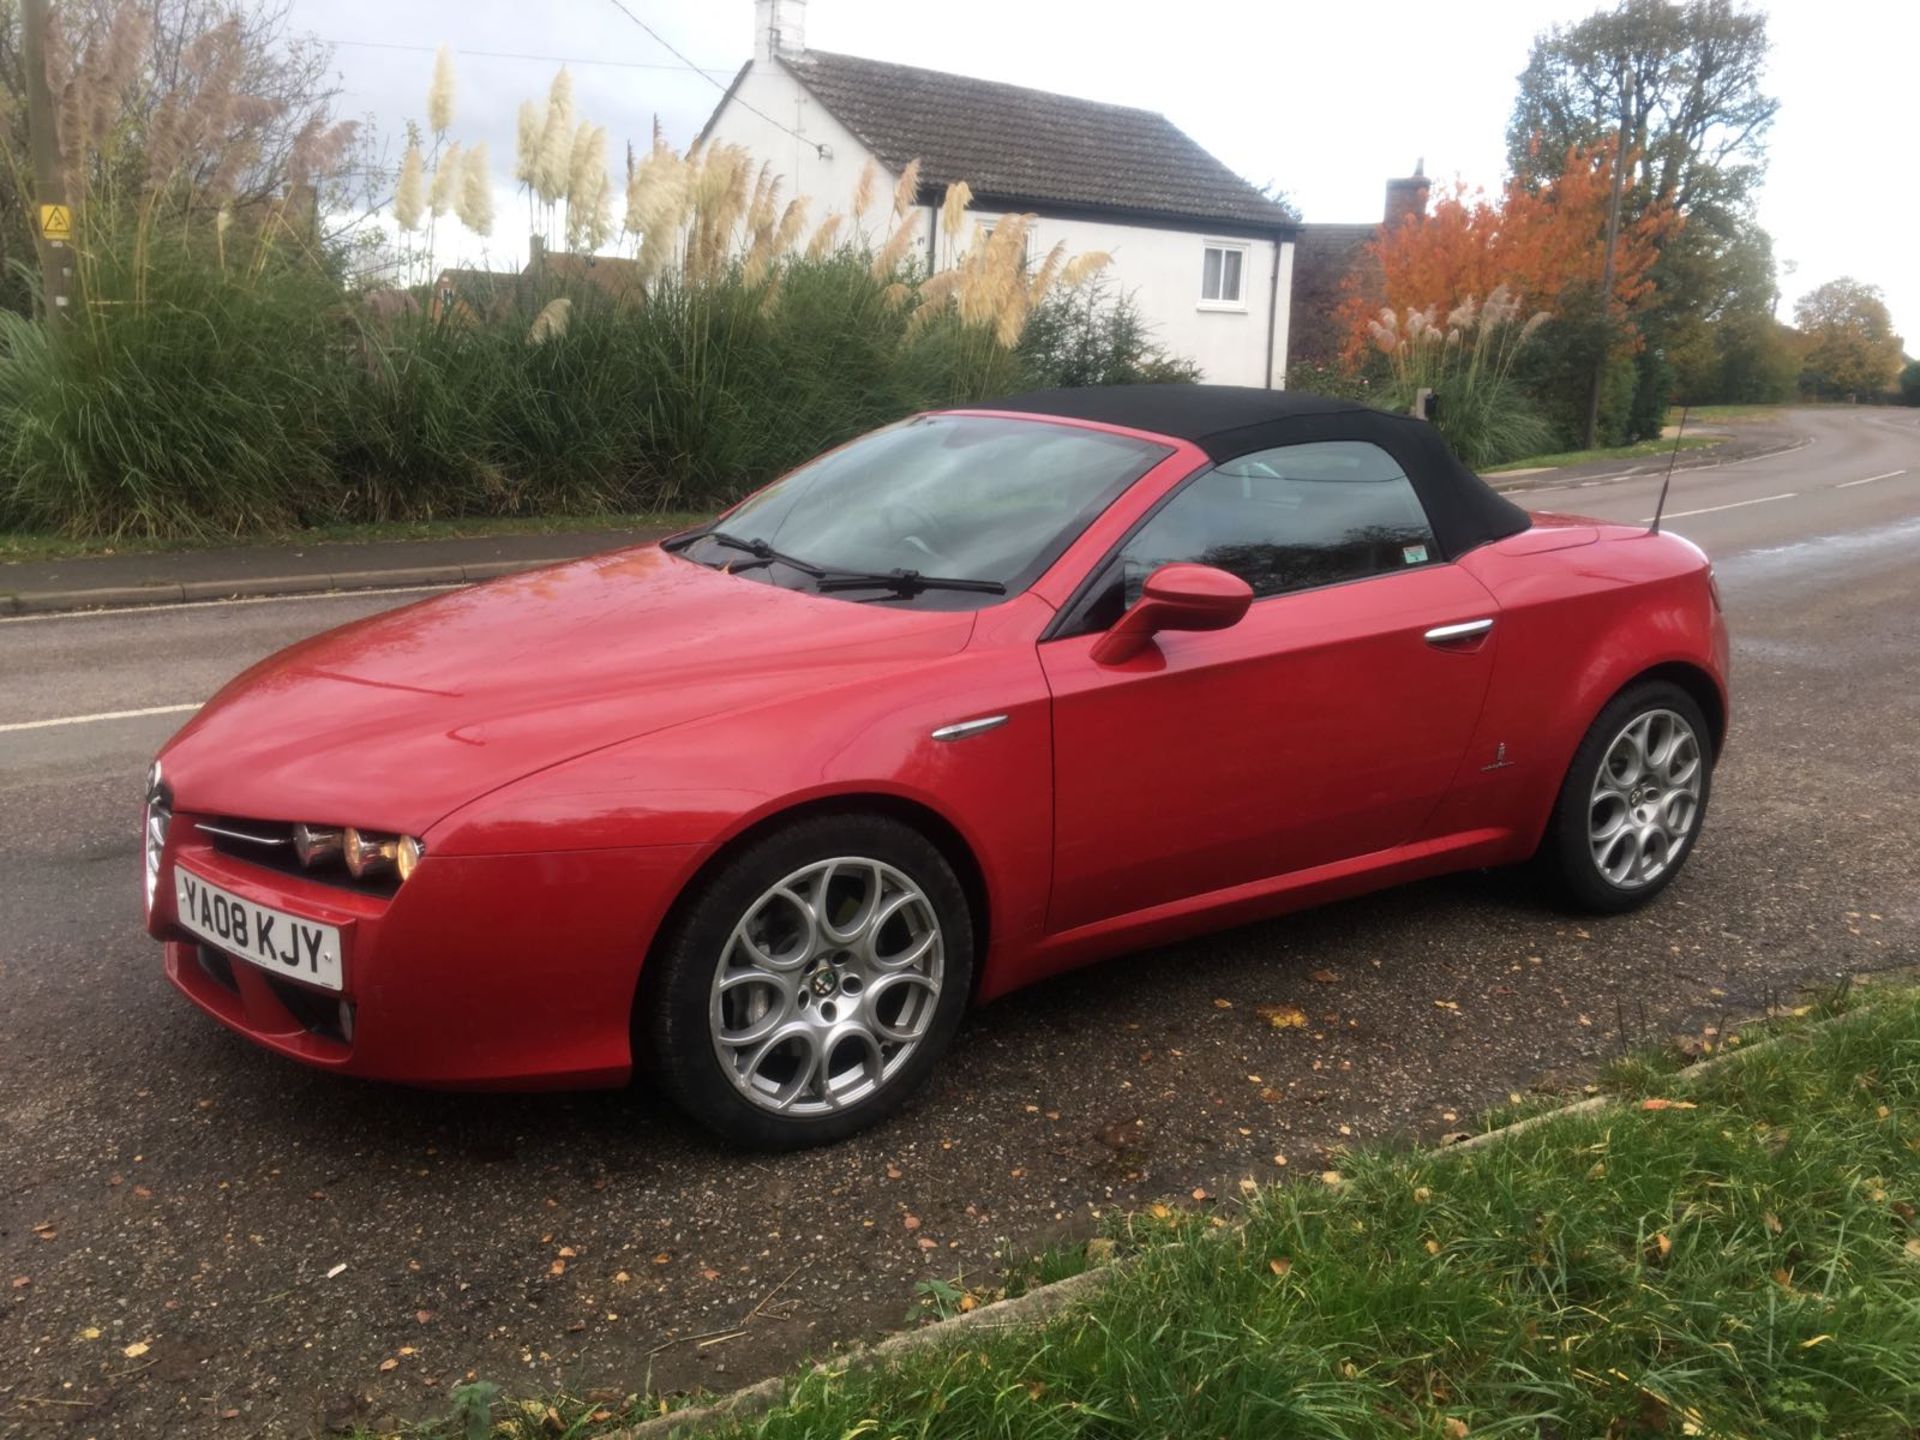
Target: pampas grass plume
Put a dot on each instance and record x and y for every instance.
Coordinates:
(440, 92)
(907, 191)
(446, 181)
(476, 191)
(410, 194)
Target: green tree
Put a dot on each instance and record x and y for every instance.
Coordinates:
(1851, 349)
(1682, 79)
(1910, 383)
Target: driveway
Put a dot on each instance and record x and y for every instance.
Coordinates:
(198, 1238)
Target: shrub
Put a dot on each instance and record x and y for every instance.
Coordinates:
(1092, 336)
(1468, 364)
(208, 394)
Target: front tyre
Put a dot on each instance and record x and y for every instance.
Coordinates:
(1633, 800)
(812, 983)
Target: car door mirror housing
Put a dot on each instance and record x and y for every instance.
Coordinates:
(1175, 597)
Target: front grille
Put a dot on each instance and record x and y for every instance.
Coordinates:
(269, 844)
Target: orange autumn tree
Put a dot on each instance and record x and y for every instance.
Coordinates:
(1541, 244)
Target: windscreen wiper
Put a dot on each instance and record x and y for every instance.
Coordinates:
(903, 582)
(759, 549)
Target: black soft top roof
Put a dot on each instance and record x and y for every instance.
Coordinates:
(1232, 420)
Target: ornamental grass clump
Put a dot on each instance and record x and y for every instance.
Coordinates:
(1467, 361)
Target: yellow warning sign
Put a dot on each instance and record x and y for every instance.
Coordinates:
(56, 222)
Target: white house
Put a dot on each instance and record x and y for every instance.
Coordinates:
(1207, 257)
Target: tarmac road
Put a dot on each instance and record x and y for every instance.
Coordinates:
(273, 1237)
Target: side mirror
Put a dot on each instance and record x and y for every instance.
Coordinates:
(1176, 597)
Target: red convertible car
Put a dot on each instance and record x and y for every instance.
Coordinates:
(971, 700)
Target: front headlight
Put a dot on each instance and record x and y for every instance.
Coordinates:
(368, 853)
(159, 816)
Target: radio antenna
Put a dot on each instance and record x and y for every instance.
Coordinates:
(1660, 509)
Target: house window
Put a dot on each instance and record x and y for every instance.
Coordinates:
(1223, 276)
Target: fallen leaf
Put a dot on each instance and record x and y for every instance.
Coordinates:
(1421, 1194)
(1912, 1248)
(893, 1172)
(558, 1267)
(1818, 1339)
(1035, 1389)
(1248, 1187)
(925, 1244)
(1772, 1222)
(567, 1252)
(142, 1192)
(1445, 1005)
(20, 1282)
(709, 1274)
(1279, 1159)
(389, 1364)
(1099, 1250)
(1662, 1244)
(1599, 1170)
(1658, 1104)
(336, 1269)
(408, 1350)
(968, 1302)
(92, 1332)
(1223, 1004)
(1159, 1211)
(663, 1258)
(1433, 1247)
(623, 1278)
(1198, 1193)
(1456, 1137)
(912, 1222)
(1280, 1265)
(136, 1350)
(1455, 1428)
(1283, 1017)
(1330, 1177)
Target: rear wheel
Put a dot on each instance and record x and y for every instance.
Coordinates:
(1633, 801)
(812, 984)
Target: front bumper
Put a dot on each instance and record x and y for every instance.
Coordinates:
(493, 971)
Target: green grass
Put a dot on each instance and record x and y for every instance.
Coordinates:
(27, 545)
(1635, 451)
(1740, 1260)
(1718, 414)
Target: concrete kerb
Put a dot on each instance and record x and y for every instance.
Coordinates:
(1047, 1301)
(260, 587)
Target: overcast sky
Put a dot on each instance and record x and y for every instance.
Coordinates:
(1323, 100)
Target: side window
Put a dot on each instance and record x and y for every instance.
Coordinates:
(1286, 519)
(1221, 272)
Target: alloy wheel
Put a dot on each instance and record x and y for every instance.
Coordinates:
(828, 983)
(1646, 799)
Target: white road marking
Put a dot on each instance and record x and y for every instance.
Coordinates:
(91, 719)
(1849, 484)
(1711, 509)
(123, 611)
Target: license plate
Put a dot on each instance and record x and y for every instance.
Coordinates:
(272, 939)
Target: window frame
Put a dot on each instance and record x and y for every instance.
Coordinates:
(1237, 305)
(1067, 622)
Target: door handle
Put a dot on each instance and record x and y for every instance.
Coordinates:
(1465, 630)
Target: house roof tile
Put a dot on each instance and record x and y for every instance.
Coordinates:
(1013, 144)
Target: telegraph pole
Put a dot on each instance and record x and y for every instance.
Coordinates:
(53, 217)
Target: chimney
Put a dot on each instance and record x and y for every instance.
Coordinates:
(779, 28)
(1407, 195)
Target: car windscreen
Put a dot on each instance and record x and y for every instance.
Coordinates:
(965, 497)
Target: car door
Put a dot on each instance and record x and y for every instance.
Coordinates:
(1326, 725)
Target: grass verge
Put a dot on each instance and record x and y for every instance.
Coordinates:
(27, 545)
(1730, 1253)
(1636, 451)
